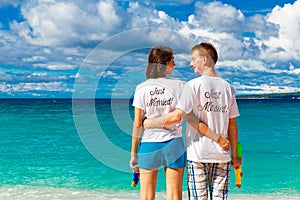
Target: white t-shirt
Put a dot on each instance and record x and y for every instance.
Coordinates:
(157, 97)
(213, 101)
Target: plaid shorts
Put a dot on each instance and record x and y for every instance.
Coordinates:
(204, 178)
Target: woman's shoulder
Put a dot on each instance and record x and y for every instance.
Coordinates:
(161, 82)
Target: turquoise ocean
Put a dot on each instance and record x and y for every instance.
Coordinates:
(79, 149)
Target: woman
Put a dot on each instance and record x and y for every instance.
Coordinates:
(155, 97)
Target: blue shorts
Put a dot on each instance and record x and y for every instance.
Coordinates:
(170, 154)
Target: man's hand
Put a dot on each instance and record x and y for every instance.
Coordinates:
(224, 143)
(235, 162)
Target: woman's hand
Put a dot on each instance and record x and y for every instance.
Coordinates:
(134, 162)
(146, 123)
(224, 143)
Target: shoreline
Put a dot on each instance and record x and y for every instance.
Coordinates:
(9, 192)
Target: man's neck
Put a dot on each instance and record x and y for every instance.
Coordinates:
(209, 71)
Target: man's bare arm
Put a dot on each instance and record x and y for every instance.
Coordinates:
(207, 132)
(233, 137)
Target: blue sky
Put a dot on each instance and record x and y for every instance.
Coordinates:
(77, 48)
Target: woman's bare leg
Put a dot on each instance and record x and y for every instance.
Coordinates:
(148, 178)
(174, 178)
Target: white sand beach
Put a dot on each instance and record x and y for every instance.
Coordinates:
(44, 193)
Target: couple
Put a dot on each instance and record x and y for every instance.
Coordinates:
(207, 101)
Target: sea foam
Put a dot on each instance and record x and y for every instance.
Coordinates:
(46, 193)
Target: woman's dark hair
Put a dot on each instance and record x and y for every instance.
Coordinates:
(158, 58)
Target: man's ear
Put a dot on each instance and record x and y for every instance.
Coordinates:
(205, 59)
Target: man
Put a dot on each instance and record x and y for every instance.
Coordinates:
(212, 100)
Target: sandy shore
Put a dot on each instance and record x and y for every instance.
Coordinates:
(44, 193)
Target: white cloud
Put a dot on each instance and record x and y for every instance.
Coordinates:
(262, 28)
(60, 67)
(223, 29)
(52, 86)
(57, 36)
(142, 15)
(109, 74)
(295, 71)
(245, 65)
(56, 23)
(35, 59)
(107, 9)
(286, 46)
(25, 87)
(55, 66)
(39, 73)
(264, 89)
(219, 17)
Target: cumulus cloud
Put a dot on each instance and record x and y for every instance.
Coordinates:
(33, 77)
(57, 36)
(284, 47)
(219, 17)
(141, 15)
(108, 11)
(245, 65)
(55, 66)
(34, 89)
(52, 86)
(57, 23)
(263, 89)
(261, 27)
(35, 59)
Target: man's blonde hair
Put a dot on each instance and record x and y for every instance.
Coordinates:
(206, 48)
